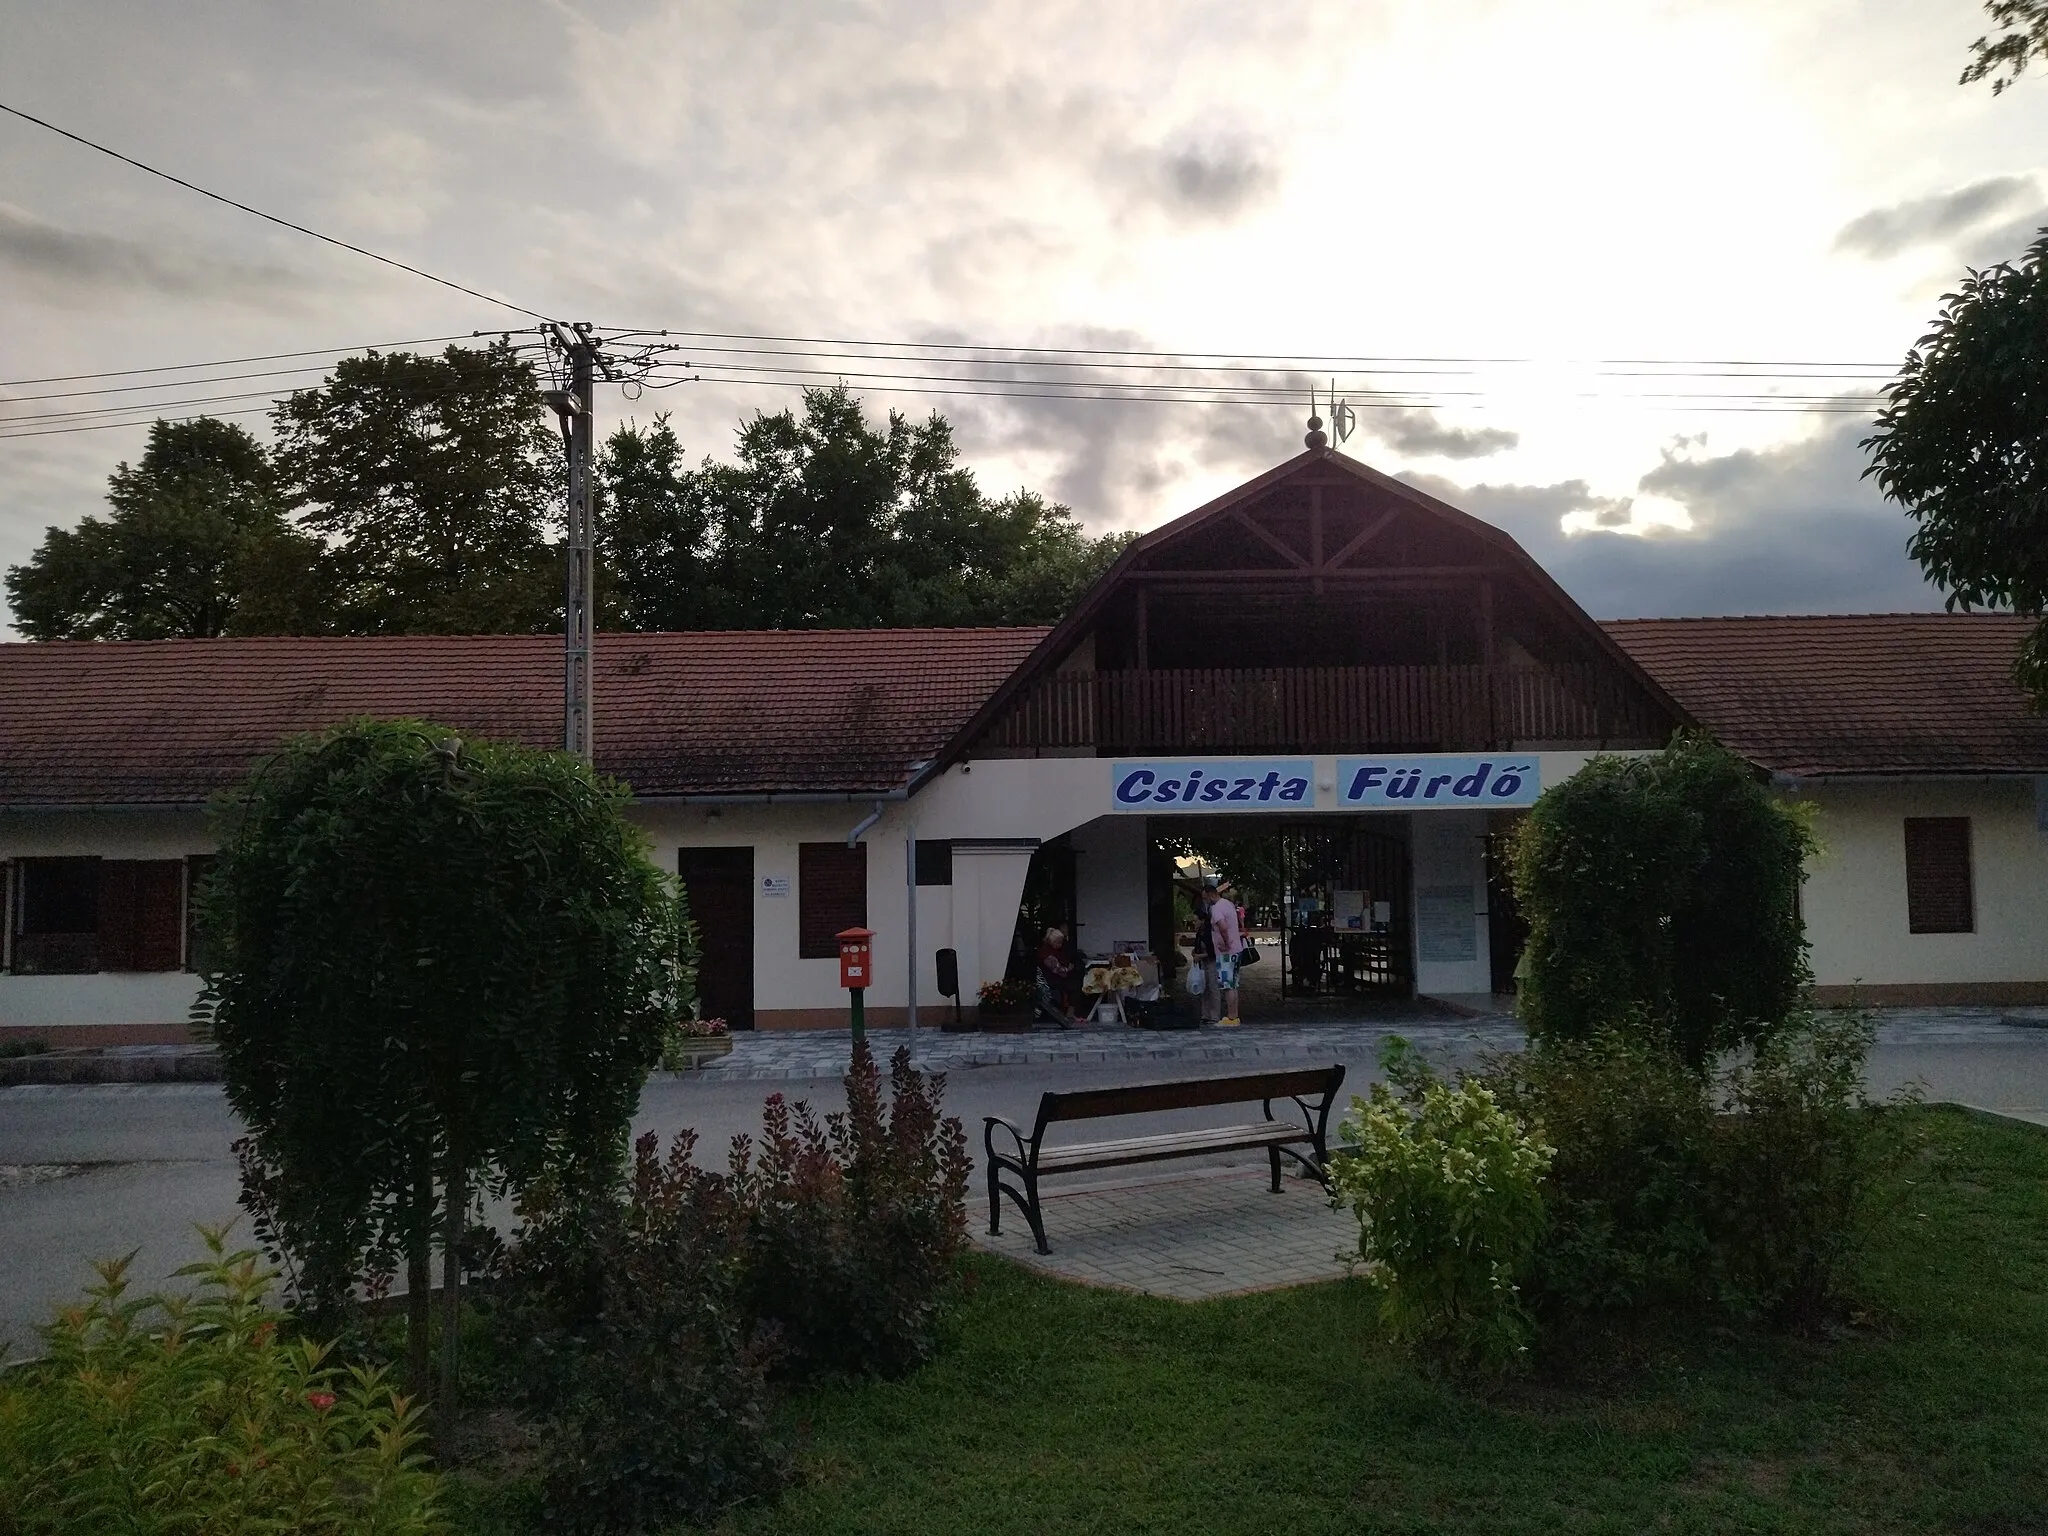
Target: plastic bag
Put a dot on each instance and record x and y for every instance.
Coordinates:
(1198, 980)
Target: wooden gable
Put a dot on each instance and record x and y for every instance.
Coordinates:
(1323, 606)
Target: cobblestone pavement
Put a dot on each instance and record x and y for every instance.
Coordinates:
(796, 1054)
(1217, 1232)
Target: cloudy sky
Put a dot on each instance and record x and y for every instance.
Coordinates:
(1524, 193)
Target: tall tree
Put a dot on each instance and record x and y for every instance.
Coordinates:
(654, 557)
(431, 963)
(1963, 447)
(1963, 443)
(196, 546)
(437, 483)
(825, 521)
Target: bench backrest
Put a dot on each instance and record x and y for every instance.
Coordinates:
(1188, 1093)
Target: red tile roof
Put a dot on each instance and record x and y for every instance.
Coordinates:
(1878, 693)
(740, 712)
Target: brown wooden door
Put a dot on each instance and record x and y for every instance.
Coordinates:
(720, 883)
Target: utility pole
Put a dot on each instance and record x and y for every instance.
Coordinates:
(577, 407)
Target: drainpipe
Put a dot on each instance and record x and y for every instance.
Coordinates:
(863, 824)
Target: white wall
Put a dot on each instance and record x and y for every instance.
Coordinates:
(1855, 898)
(126, 999)
(1109, 882)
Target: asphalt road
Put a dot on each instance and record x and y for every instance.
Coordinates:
(154, 1159)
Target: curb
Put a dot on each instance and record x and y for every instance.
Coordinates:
(115, 1064)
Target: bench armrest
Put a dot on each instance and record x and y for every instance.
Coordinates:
(990, 1125)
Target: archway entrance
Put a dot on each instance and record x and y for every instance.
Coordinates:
(1328, 903)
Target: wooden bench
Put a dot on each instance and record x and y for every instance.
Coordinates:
(1313, 1090)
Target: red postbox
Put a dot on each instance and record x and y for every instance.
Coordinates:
(855, 946)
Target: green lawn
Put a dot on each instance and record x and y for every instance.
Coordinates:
(1065, 1409)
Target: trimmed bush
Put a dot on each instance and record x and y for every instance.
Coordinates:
(1447, 1188)
(1662, 894)
(1626, 1195)
(1802, 1160)
(201, 1414)
(437, 969)
(1755, 1185)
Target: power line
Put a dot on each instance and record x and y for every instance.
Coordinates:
(1419, 402)
(231, 362)
(1259, 391)
(389, 261)
(1363, 361)
(129, 389)
(141, 421)
(1465, 370)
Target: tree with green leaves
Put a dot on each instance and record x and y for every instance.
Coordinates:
(1962, 444)
(827, 521)
(1963, 447)
(2022, 37)
(1662, 896)
(436, 484)
(435, 968)
(197, 545)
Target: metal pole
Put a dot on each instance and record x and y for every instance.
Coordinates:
(578, 648)
(910, 923)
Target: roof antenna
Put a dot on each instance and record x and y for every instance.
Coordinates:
(1343, 420)
(1316, 438)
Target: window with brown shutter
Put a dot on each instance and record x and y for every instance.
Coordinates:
(1938, 887)
(831, 895)
(56, 917)
(141, 913)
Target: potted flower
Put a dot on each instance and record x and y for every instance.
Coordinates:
(1005, 1003)
(692, 1042)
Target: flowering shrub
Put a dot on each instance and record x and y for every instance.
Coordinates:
(625, 1338)
(174, 1413)
(1446, 1186)
(856, 1226)
(1006, 994)
(683, 1036)
(637, 1330)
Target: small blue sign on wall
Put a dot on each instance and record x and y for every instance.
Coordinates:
(1438, 782)
(1227, 785)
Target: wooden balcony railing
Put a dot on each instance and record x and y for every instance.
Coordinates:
(1327, 709)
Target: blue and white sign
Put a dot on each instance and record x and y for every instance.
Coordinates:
(1440, 782)
(1226, 784)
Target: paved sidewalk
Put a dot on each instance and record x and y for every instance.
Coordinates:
(1217, 1232)
(823, 1053)
(797, 1054)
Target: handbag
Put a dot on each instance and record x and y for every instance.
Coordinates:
(1248, 956)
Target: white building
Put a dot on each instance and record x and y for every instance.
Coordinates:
(1324, 653)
